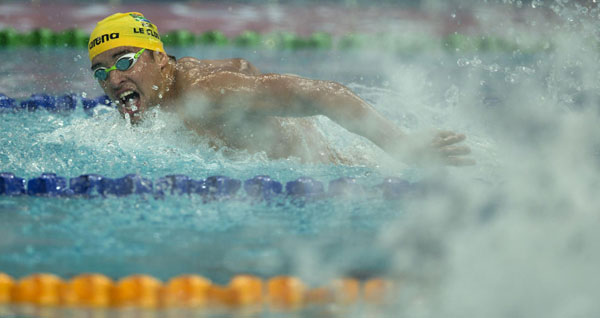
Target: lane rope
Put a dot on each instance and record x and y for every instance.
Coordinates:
(93, 290)
(455, 42)
(218, 187)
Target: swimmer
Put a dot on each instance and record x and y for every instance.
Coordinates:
(234, 105)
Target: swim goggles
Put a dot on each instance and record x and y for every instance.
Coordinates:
(125, 62)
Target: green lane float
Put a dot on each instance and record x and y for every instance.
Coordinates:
(10, 37)
(282, 40)
(179, 38)
(213, 38)
(247, 39)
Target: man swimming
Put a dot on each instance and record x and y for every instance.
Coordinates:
(233, 104)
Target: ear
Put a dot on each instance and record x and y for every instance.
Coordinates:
(160, 58)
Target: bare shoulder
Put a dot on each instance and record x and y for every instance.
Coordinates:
(236, 65)
(192, 73)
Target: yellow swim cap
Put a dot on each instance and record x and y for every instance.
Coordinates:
(124, 29)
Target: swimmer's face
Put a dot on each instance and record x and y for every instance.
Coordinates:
(137, 89)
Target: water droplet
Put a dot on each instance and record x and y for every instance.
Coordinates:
(452, 96)
(510, 78)
(84, 94)
(160, 96)
(527, 70)
(493, 68)
(154, 87)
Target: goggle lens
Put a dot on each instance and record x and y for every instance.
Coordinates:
(101, 74)
(123, 64)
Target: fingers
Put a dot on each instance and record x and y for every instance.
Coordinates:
(445, 133)
(455, 150)
(457, 161)
(443, 150)
(453, 155)
(446, 138)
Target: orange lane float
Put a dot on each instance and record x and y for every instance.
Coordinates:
(220, 297)
(285, 293)
(141, 291)
(247, 291)
(346, 290)
(377, 290)
(6, 287)
(244, 292)
(343, 291)
(186, 291)
(88, 290)
(319, 296)
(39, 289)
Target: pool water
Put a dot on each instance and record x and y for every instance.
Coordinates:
(515, 233)
(119, 236)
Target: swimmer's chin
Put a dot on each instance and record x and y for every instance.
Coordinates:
(134, 118)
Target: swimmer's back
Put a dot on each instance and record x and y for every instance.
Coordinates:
(193, 67)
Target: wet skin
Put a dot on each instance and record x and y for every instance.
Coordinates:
(236, 106)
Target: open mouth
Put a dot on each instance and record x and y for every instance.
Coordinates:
(130, 101)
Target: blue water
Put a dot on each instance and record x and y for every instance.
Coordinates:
(176, 234)
(166, 237)
(514, 236)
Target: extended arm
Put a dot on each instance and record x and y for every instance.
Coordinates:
(285, 95)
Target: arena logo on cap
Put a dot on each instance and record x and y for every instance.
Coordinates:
(103, 38)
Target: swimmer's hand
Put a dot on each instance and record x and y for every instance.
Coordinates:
(441, 149)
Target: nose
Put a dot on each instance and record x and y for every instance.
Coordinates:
(115, 78)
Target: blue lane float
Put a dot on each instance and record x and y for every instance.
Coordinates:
(222, 186)
(174, 185)
(345, 187)
(127, 185)
(11, 185)
(6, 103)
(39, 101)
(87, 185)
(48, 185)
(260, 187)
(396, 188)
(56, 104)
(304, 186)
